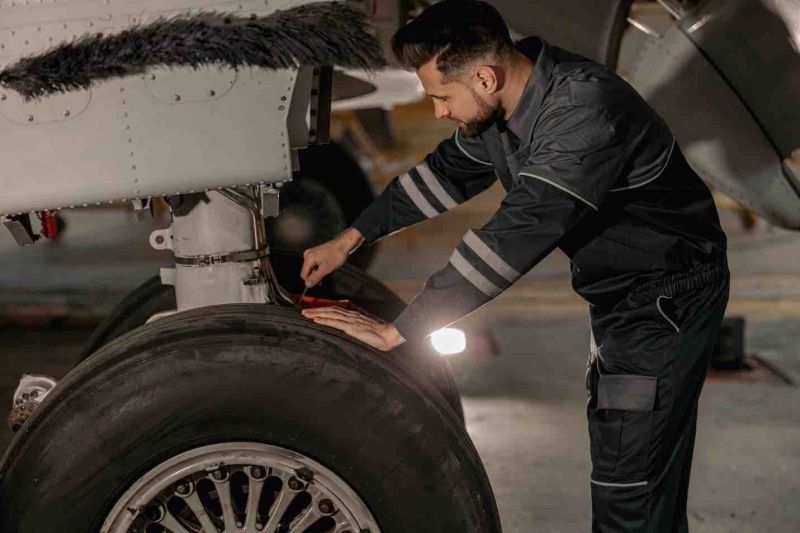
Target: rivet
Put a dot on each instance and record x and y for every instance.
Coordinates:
(177, 98)
(3, 97)
(152, 76)
(30, 118)
(281, 108)
(212, 93)
(283, 98)
(125, 114)
(133, 167)
(66, 113)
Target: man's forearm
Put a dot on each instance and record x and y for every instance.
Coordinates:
(350, 240)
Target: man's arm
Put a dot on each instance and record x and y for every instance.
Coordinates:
(579, 157)
(458, 169)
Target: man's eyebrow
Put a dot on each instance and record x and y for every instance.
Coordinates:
(436, 96)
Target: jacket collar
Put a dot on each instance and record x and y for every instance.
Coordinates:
(524, 116)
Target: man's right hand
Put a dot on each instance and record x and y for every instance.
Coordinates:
(321, 260)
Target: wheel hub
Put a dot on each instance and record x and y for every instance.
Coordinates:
(240, 487)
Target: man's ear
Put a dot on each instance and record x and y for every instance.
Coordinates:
(488, 78)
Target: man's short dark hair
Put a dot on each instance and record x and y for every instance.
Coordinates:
(455, 32)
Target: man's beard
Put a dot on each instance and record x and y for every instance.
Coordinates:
(487, 115)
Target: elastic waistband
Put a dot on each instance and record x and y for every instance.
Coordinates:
(673, 284)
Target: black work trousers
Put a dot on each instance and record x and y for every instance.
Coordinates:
(648, 361)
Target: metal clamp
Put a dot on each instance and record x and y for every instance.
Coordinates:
(234, 257)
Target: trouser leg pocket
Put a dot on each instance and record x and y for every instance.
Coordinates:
(620, 428)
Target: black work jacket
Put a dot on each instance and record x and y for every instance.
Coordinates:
(588, 167)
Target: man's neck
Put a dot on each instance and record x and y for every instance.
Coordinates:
(519, 71)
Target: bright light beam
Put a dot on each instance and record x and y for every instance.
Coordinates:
(449, 341)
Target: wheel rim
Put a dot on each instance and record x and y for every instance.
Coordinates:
(242, 487)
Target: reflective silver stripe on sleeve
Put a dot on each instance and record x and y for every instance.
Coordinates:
(490, 257)
(436, 188)
(651, 179)
(415, 194)
(458, 144)
(561, 187)
(473, 276)
(603, 484)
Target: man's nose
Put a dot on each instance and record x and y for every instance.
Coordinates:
(440, 110)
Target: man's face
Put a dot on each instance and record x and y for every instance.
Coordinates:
(458, 101)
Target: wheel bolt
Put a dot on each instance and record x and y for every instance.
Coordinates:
(218, 474)
(182, 489)
(326, 507)
(239, 524)
(258, 472)
(295, 484)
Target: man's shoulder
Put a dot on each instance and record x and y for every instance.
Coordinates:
(582, 82)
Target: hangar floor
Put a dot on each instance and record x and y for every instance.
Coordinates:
(525, 409)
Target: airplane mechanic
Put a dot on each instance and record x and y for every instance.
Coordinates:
(590, 168)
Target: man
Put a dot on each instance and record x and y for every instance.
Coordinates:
(590, 168)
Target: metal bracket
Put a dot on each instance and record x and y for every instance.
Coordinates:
(20, 228)
(270, 201)
(209, 260)
(320, 105)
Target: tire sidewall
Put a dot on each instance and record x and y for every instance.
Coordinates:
(225, 375)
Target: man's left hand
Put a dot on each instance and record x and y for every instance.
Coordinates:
(379, 335)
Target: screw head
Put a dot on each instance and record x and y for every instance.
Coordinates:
(177, 98)
(67, 113)
(295, 484)
(258, 472)
(30, 118)
(212, 93)
(183, 489)
(326, 506)
(218, 474)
